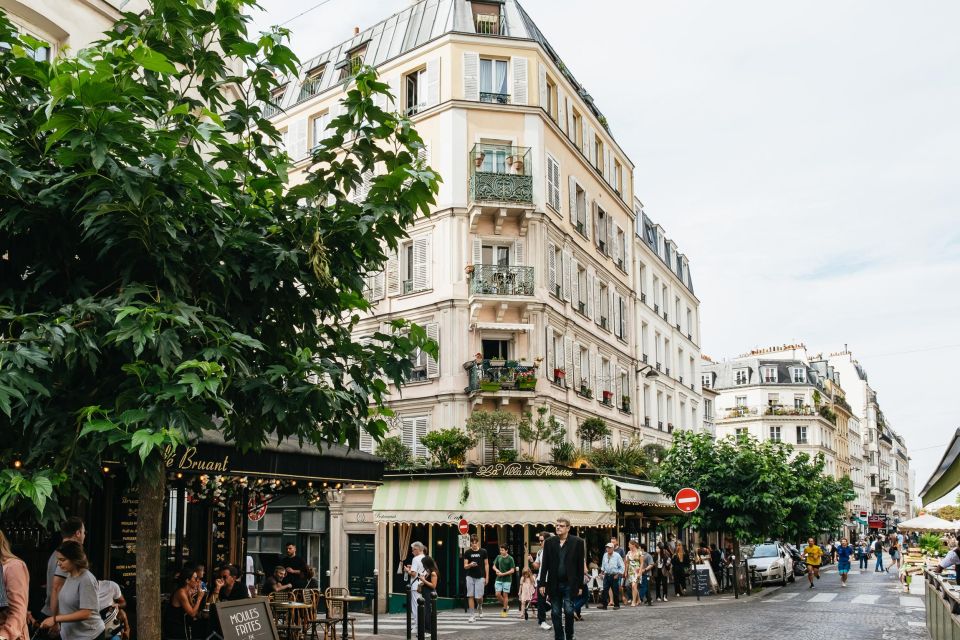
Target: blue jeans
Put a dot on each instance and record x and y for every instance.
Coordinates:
(863, 560)
(644, 589)
(879, 566)
(561, 613)
(580, 600)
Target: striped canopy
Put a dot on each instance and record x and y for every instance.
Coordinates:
(493, 501)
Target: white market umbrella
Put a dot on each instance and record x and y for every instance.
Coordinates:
(927, 522)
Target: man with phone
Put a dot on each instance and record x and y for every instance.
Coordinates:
(414, 571)
(477, 567)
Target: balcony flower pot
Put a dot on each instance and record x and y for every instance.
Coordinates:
(497, 362)
(527, 384)
(607, 397)
(559, 374)
(490, 386)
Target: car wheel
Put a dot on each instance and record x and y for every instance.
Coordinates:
(793, 576)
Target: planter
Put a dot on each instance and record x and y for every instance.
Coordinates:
(559, 374)
(607, 396)
(527, 385)
(489, 386)
(497, 362)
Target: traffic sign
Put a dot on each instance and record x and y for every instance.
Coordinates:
(463, 526)
(687, 500)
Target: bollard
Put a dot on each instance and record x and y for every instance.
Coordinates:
(409, 611)
(733, 574)
(421, 623)
(433, 615)
(376, 598)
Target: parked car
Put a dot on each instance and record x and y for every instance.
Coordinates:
(772, 562)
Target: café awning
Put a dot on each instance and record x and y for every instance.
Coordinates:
(947, 476)
(493, 501)
(643, 495)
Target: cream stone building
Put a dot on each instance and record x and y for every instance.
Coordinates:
(66, 24)
(538, 272)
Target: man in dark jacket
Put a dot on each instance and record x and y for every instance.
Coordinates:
(561, 577)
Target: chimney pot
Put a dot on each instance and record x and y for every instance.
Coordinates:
(356, 31)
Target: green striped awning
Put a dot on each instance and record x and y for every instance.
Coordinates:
(642, 495)
(493, 501)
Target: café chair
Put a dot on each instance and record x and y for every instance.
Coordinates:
(336, 611)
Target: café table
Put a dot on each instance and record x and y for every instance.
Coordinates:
(290, 607)
(346, 600)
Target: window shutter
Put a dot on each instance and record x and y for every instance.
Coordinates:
(433, 82)
(608, 165)
(571, 129)
(562, 110)
(574, 280)
(362, 189)
(616, 244)
(590, 206)
(519, 80)
(619, 395)
(626, 319)
(611, 309)
(477, 251)
(423, 153)
(576, 365)
(592, 383)
(543, 86)
(588, 149)
(552, 267)
(551, 353)
(616, 317)
(419, 451)
(433, 332)
(394, 103)
(298, 139)
(553, 183)
(627, 241)
(597, 313)
(379, 285)
(518, 254)
(568, 358)
(609, 232)
(573, 200)
(567, 275)
(422, 264)
(471, 75)
(588, 294)
(393, 273)
(366, 441)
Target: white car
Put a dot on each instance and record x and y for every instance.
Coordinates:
(771, 561)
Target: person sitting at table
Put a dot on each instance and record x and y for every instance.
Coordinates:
(183, 607)
(227, 585)
(274, 583)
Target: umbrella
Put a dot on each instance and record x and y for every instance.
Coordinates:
(927, 522)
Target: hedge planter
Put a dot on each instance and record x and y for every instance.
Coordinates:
(489, 386)
(527, 385)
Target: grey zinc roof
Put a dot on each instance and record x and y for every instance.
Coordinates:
(723, 372)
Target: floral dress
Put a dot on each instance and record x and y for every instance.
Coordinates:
(633, 558)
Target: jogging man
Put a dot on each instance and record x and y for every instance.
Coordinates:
(504, 567)
(478, 572)
(813, 555)
(843, 551)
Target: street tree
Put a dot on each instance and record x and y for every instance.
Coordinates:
(489, 428)
(159, 274)
(593, 429)
(949, 512)
(544, 428)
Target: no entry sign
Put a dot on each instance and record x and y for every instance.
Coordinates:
(687, 500)
(463, 526)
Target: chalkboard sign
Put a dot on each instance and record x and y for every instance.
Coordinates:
(701, 581)
(249, 619)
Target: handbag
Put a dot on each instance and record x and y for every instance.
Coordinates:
(4, 601)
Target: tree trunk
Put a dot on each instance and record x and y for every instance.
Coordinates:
(149, 521)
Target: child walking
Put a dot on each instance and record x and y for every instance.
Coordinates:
(527, 588)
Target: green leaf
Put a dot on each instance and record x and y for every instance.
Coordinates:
(152, 60)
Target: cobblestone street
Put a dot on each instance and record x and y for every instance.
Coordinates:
(872, 607)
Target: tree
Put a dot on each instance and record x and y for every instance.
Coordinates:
(489, 427)
(593, 429)
(160, 276)
(630, 460)
(394, 453)
(949, 512)
(544, 429)
(563, 453)
(447, 447)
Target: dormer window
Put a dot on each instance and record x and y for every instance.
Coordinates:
(769, 374)
(311, 83)
(352, 62)
(799, 375)
(276, 96)
(741, 376)
(487, 19)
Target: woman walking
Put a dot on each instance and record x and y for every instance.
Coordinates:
(634, 559)
(661, 570)
(429, 580)
(681, 564)
(78, 614)
(16, 583)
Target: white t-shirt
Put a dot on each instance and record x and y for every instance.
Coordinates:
(108, 592)
(250, 577)
(416, 565)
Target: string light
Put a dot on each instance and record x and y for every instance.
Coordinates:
(179, 475)
(106, 469)
(17, 464)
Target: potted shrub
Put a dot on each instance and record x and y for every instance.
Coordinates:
(559, 375)
(607, 397)
(625, 403)
(489, 385)
(526, 381)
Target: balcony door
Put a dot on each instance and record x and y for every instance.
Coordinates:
(495, 349)
(498, 255)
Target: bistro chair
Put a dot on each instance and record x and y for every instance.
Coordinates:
(336, 611)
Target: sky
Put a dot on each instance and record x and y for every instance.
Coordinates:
(805, 157)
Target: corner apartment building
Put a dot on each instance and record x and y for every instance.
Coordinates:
(887, 463)
(66, 24)
(537, 271)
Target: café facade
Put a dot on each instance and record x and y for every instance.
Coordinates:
(505, 503)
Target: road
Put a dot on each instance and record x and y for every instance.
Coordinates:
(871, 607)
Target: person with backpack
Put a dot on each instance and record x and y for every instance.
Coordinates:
(662, 569)
(878, 551)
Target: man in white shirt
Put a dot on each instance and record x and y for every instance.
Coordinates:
(612, 568)
(414, 571)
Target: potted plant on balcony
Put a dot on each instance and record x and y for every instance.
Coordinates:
(608, 397)
(497, 362)
(468, 270)
(585, 391)
(625, 403)
(558, 375)
(527, 380)
(489, 385)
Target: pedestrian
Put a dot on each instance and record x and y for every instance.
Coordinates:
(612, 567)
(15, 596)
(716, 565)
(414, 571)
(275, 582)
(429, 579)
(634, 559)
(72, 529)
(78, 601)
(843, 551)
(878, 551)
(528, 587)
(183, 607)
(647, 566)
(681, 564)
(729, 560)
(863, 553)
(661, 570)
(541, 601)
(504, 567)
(561, 577)
(894, 550)
(813, 555)
(112, 603)
(477, 567)
(296, 568)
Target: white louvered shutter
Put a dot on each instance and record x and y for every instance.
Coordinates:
(543, 85)
(422, 267)
(519, 80)
(552, 267)
(366, 441)
(568, 358)
(625, 312)
(567, 275)
(379, 285)
(571, 129)
(588, 148)
(596, 300)
(433, 82)
(393, 273)
(591, 206)
(616, 313)
(627, 242)
(608, 165)
(574, 281)
(616, 243)
(611, 309)
(592, 383)
(609, 232)
(576, 365)
(423, 153)
(471, 75)
(360, 193)
(572, 186)
(588, 294)
(477, 251)
(556, 185)
(619, 392)
(551, 353)
(433, 332)
(394, 103)
(561, 110)
(519, 257)
(421, 424)
(297, 139)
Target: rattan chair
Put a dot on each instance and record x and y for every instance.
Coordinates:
(335, 610)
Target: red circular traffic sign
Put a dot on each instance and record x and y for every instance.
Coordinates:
(687, 500)
(463, 526)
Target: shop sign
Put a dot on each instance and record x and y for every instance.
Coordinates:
(877, 521)
(523, 470)
(192, 460)
(256, 509)
(249, 619)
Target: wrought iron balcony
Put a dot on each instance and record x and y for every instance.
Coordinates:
(491, 279)
(492, 376)
(309, 88)
(495, 98)
(501, 173)
(490, 25)
(270, 110)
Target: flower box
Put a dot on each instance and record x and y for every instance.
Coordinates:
(488, 385)
(607, 397)
(527, 384)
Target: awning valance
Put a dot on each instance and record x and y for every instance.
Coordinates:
(947, 476)
(493, 501)
(505, 326)
(641, 494)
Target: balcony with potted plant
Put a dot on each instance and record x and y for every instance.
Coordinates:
(625, 405)
(501, 376)
(559, 377)
(500, 182)
(584, 391)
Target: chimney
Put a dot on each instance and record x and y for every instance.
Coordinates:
(356, 31)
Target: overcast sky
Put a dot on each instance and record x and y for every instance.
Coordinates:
(804, 156)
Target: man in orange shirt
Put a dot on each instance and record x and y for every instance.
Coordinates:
(813, 555)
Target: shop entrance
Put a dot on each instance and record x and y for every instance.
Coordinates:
(361, 562)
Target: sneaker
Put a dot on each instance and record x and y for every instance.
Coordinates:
(472, 619)
(545, 626)
(479, 612)
(664, 598)
(503, 614)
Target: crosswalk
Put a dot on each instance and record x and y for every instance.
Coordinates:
(453, 622)
(822, 597)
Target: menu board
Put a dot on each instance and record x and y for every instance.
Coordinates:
(249, 619)
(123, 538)
(701, 580)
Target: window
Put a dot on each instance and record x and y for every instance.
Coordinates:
(416, 87)
(621, 251)
(622, 313)
(707, 409)
(773, 399)
(769, 374)
(495, 255)
(415, 263)
(741, 376)
(577, 128)
(495, 349)
(775, 433)
(799, 374)
(617, 177)
(555, 269)
(598, 152)
(606, 381)
(551, 99)
(318, 127)
(413, 429)
(311, 83)
(486, 18)
(582, 290)
(493, 81)
(689, 322)
(352, 63)
(741, 401)
(798, 402)
(506, 439)
(276, 96)
(603, 221)
(705, 381)
(742, 433)
(656, 293)
(553, 183)
(581, 196)
(801, 435)
(604, 306)
(583, 368)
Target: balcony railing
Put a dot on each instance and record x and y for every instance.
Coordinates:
(490, 25)
(309, 88)
(270, 110)
(501, 375)
(494, 98)
(501, 173)
(491, 279)
(781, 410)
(741, 412)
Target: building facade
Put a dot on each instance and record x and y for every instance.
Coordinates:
(66, 24)
(537, 272)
